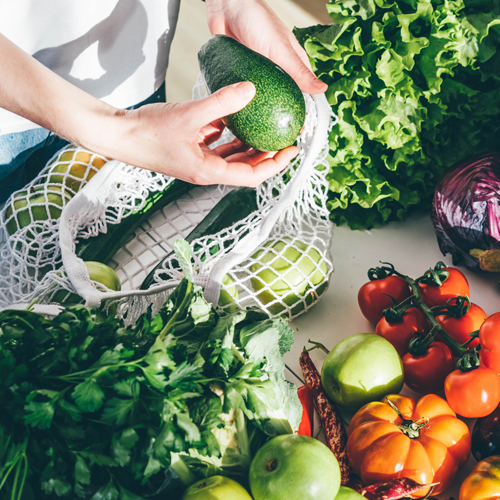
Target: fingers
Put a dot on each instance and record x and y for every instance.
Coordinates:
(224, 102)
(238, 173)
(293, 60)
(211, 132)
(235, 146)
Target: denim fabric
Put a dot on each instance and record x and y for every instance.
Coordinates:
(24, 154)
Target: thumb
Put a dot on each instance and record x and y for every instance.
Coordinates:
(224, 102)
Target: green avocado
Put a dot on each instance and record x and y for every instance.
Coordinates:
(275, 116)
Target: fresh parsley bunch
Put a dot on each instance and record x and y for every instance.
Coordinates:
(96, 410)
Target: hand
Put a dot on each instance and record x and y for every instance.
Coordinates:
(173, 139)
(253, 23)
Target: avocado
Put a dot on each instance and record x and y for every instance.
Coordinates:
(275, 116)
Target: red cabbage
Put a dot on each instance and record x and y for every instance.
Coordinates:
(466, 212)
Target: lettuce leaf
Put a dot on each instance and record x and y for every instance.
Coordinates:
(416, 87)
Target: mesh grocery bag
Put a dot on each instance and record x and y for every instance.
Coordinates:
(277, 258)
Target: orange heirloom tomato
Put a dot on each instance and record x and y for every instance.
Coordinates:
(483, 483)
(425, 442)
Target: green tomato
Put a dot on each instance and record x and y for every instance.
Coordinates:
(293, 466)
(361, 368)
(348, 494)
(100, 273)
(288, 284)
(45, 200)
(229, 296)
(216, 488)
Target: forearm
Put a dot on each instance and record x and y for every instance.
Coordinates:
(32, 91)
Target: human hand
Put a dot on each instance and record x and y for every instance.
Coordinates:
(173, 139)
(253, 23)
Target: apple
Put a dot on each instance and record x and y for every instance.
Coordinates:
(287, 271)
(294, 466)
(361, 368)
(79, 165)
(346, 493)
(100, 273)
(216, 488)
(38, 203)
(228, 296)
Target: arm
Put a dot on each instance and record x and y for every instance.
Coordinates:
(168, 138)
(253, 23)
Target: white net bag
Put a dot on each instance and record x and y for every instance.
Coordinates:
(276, 258)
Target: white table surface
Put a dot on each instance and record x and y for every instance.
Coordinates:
(412, 247)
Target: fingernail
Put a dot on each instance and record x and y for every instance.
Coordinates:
(318, 84)
(245, 90)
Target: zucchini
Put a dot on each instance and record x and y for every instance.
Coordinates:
(102, 247)
(235, 206)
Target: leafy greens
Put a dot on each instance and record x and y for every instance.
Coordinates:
(416, 87)
(96, 410)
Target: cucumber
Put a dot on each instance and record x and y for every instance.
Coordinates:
(235, 206)
(103, 247)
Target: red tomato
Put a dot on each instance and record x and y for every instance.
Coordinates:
(454, 285)
(459, 328)
(306, 397)
(426, 374)
(473, 394)
(375, 296)
(401, 332)
(489, 337)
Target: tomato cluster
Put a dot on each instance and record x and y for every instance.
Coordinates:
(429, 321)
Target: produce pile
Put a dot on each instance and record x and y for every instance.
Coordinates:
(92, 409)
(416, 87)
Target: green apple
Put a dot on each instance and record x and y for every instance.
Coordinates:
(227, 297)
(348, 494)
(39, 203)
(100, 273)
(289, 267)
(78, 165)
(361, 368)
(292, 466)
(216, 488)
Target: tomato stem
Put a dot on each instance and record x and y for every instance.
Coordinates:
(436, 327)
(410, 428)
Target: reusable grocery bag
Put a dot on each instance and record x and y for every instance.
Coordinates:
(290, 229)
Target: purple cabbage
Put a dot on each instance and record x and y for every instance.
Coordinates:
(466, 212)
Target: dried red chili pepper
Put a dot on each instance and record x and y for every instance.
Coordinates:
(336, 437)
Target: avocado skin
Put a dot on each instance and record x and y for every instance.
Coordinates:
(275, 116)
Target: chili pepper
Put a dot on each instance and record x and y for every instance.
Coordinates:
(336, 437)
(393, 489)
(306, 427)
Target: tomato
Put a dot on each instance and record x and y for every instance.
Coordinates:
(459, 328)
(375, 296)
(306, 397)
(426, 374)
(490, 342)
(483, 483)
(454, 285)
(473, 394)
(400, 333)
(379, 447)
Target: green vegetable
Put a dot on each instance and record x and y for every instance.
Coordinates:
(100, 273)
(416, 87)
(94, 409)
(286, 273)
(235, 206)
(103, 246)
(275, 116)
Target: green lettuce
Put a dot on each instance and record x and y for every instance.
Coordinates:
(416, 87)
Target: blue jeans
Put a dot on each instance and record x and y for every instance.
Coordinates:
(24, 154)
